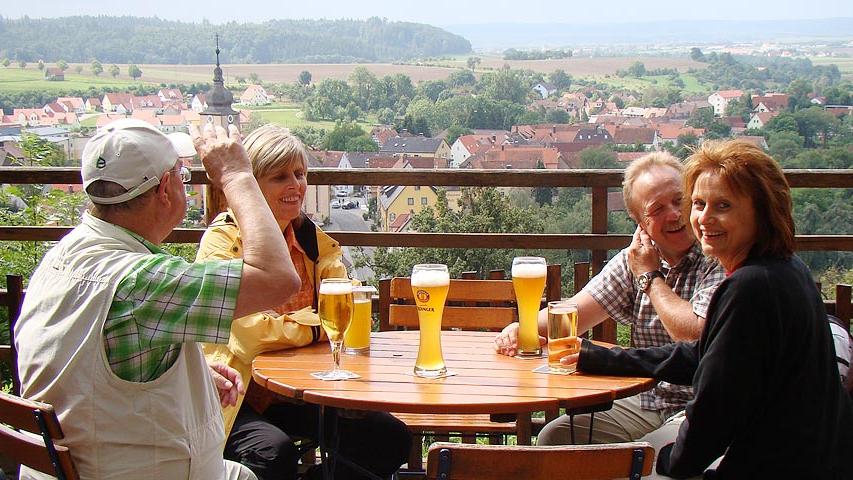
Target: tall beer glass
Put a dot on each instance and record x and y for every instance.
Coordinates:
(335, 309)
(528, 281)
(357, 336)
(562, 334)
(430, 283)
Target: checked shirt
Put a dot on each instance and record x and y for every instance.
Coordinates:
(163, 302)
(694, 278)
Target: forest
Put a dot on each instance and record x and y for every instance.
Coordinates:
(153, 40)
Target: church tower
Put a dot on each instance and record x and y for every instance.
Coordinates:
(219, 100)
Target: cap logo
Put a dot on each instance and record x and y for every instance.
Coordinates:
(101, 163)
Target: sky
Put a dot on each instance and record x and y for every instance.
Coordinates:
(439, 12)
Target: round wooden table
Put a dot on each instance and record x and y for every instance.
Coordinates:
(485, 382)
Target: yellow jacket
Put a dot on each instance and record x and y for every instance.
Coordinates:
(268, 331)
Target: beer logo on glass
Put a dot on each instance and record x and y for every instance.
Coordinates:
(423, 296)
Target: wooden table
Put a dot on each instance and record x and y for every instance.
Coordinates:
(485, 382)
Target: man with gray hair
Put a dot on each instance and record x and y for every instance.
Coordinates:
(109, 328)
(660, 285)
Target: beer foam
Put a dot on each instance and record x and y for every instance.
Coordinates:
(335, 288)
(529, 270)
(430, 278)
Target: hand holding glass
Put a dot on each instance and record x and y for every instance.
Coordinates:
(430, 283)
(562, 334)
(335, 309)
(528, 281)
(357, 336)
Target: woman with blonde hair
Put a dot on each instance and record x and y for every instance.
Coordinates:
(260, 427)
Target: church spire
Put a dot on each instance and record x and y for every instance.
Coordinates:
(219, 99)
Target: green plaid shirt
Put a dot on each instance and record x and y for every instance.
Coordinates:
(163, 302)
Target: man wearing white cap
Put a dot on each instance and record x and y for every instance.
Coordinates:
(109, 326)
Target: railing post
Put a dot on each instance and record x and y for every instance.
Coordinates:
(606, 330)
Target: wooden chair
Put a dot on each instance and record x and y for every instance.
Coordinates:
(453, 461)
(12, 299)
(471, 305)
(28, 435)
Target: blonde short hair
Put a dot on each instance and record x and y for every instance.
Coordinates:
(640, 166)
(272, 148)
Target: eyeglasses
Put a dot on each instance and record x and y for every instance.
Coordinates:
(186, 174)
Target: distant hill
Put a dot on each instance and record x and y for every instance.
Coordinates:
(152, 40)
(499, 36)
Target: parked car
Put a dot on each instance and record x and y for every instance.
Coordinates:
(349, 205)
(341, 193)
(336, 204)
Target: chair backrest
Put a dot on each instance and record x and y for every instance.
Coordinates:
(12, 299)
(454, 461)
(471, 304)
(28, 435)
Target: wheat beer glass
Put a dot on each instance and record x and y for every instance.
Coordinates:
(528, 281)
(357, 336)
(562, 334)
(335, 309)
(430, 283)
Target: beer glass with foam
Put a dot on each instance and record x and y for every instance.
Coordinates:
(335, 310)
(562, 334)
(357, 336)
(430, 283)
(528, 281)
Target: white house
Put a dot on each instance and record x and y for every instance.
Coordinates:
(255, 95)
(720, 100)
(544, 89)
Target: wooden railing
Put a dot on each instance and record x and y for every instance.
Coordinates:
(598, 242)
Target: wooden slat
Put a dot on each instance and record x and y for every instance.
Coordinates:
(18, 413)
(461, 290)
(797, 178)
(466, 318)
(498, 462)
(472, 423)
(31, 451)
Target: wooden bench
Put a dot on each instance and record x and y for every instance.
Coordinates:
(453, 461)
(471, 305)
(12, 298)
(28, 437)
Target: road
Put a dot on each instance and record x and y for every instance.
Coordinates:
(352, 221)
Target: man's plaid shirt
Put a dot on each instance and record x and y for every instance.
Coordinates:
(163, 302)
(694, 279)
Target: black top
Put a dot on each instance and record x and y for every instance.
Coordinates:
(767, 391)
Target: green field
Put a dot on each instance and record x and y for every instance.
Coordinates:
(691, 84)
(290, 116)
(14, 80)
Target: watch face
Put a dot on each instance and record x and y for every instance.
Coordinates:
(230, 118)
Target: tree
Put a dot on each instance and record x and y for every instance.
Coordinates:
(798, 94)
(385, 116)
(42, 153)
(6, 62)
(472, 62)
(133, 71)
(365, 86)
(617, 100)
(484, 210)
(455, 131)
(254, 78)
(304, 78)
(560, 79)
(598, 157)
(62, 64)
(784, 146)
(22, 64)
(40, 65)
(505, 84)
(97, 68)
(78, 69)
(637, 69)
(114, 70)
(461, 78)
(697, 55)
(543, 195)
(349, 137)
(557, 116)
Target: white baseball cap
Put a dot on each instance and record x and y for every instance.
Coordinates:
(183, 144)
(129, 152)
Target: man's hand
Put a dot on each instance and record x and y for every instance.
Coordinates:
(506, 343)
(228, 383)
(643, 257)
(221, 152)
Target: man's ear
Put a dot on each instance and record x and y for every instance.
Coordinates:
(163, 189)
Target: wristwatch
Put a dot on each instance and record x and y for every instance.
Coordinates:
(644, 281)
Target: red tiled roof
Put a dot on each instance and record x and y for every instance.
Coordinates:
(399, 222)
(729, 94)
